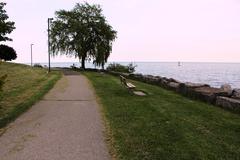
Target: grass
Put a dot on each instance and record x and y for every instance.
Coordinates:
(23, 87)
(165, 125)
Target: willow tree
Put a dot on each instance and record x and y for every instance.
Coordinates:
(103, 45)
(82, 32)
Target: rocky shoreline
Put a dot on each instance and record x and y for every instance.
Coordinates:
(224, 97)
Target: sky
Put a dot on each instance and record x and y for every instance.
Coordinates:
(148, 30)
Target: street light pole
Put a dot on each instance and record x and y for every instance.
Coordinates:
(31, 54)
(49, 21)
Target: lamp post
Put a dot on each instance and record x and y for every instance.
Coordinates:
(31, 54)
(49, 21)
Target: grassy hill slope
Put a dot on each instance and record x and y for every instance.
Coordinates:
(23, 86)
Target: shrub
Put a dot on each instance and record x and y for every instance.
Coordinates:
(130, 68)
(73, 66)
(37, 65)
(7, 53)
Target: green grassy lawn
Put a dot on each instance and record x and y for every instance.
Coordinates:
(23, 87)
(165, 125)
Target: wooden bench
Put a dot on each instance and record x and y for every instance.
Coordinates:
(128, 85)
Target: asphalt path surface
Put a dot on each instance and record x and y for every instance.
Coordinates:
(65, 125)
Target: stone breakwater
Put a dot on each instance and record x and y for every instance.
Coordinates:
(224, 97)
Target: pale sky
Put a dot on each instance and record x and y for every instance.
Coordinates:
(148, 30)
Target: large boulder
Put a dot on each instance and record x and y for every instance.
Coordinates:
(195, 85)
(173, 86)
(207, 94)
(150, 79)
(227, 88)
(136, 76)
(173, 80)
(159, 77)
(236, 94)
(185, 88)
(163, 82)
(153, 80)
(229, 103)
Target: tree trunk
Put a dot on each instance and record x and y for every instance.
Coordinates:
(83, 62)
(102, 66)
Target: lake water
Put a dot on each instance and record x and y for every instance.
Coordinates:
(214, 74)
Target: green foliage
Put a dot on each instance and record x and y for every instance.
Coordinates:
(164, 125)
(7, 53)
(73, 66)
(37, 65)
(130, 68)
(82, 32)
(6, 27)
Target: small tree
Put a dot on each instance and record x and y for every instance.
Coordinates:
(82, 32)
(6, 27)
(7, 53)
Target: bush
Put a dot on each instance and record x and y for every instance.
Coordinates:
(37, 65)
(73, 66)
(7, 53)
(130, 68)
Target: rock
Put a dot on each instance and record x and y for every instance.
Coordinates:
(159, 77)
(236, 94)
(173, 80)
(173, 86)
(150, 79)
(139, 93)
(227, 88)
(229, 103)
(195, 85)
(185, 88)
(154, 80)
(207, 94)
(138, 77)
(163, 82)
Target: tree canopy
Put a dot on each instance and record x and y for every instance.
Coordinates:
(6, 27)
(7, 53)
(82, 32)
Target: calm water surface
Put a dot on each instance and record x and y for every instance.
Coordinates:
(214, 74)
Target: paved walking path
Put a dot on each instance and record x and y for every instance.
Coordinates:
(65, 125)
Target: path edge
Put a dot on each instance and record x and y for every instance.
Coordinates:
(107, 132)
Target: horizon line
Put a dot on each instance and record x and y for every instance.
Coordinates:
(138, 62)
